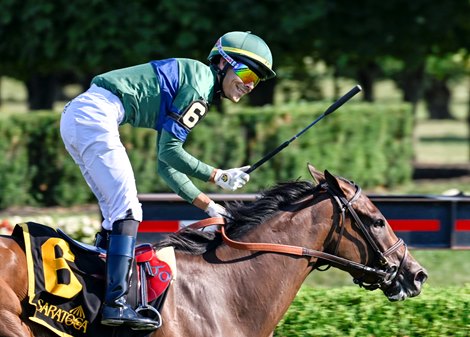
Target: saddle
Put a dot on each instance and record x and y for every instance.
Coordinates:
(68, 281)
(155, 269)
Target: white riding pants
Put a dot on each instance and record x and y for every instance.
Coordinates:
(90, 130)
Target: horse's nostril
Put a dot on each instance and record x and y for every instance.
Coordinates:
(421, 276)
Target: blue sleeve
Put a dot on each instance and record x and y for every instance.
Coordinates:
(185, 88)
(174, 128)
(167, 72)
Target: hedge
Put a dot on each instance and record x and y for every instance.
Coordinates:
(354, 312)
(369, 143)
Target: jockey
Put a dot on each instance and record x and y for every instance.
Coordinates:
(171, 96)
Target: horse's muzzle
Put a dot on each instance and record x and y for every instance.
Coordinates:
(404, 287)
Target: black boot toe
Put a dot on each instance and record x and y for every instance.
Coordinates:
(124, 315)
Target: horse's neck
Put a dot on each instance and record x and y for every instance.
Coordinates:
(272, 280)
(255, 288)
(241, 294)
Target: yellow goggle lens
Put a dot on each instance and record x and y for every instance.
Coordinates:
(246, 74)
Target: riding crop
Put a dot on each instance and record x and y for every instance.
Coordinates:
(346, 97)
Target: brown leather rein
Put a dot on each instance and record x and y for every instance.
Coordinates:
(386, 274)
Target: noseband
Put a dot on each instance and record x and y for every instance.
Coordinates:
(386, 273)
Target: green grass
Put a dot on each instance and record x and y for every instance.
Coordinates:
(444, 142)
(353, 312)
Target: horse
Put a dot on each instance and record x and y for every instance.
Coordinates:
(241, 279)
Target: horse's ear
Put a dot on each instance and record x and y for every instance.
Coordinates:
(316, 175)
(333, 182)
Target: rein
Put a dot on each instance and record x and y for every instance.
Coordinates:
(386, 274)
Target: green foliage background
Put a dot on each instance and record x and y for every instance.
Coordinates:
(93, 36)
(368, 142)
(352, 312)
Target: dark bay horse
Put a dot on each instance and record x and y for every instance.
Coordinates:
(240, 281)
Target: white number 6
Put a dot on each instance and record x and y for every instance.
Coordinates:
(193, 114)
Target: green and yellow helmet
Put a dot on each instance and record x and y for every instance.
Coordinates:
(246, 48)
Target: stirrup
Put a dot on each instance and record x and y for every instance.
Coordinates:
(126, 316)
(157, 319)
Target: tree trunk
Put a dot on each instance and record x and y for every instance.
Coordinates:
(437, 96)
(411, 83)
(366, 76)
(468, 121)
(41, 91)
(336, 89)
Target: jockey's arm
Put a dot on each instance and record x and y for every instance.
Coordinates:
(174, 166)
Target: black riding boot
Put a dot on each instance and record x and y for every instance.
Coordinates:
(120, 258)
(101, 239)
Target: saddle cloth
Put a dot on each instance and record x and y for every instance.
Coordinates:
(66, 284)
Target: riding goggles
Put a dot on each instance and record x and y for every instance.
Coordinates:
(241, 70)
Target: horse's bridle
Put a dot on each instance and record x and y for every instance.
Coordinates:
(386, 273)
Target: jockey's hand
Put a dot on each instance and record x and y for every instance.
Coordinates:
(232, 179)
(216, 210)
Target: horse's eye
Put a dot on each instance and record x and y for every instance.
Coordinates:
(379, 223)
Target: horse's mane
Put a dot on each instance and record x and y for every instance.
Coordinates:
(245, 216)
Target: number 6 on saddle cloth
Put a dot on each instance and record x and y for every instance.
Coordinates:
(66, 281)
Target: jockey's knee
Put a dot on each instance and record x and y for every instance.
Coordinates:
(132, 212)
(128, 223)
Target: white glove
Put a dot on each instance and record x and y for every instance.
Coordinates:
(233, 178)
(215, 210)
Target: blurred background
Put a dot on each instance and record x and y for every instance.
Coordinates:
(412, 54)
